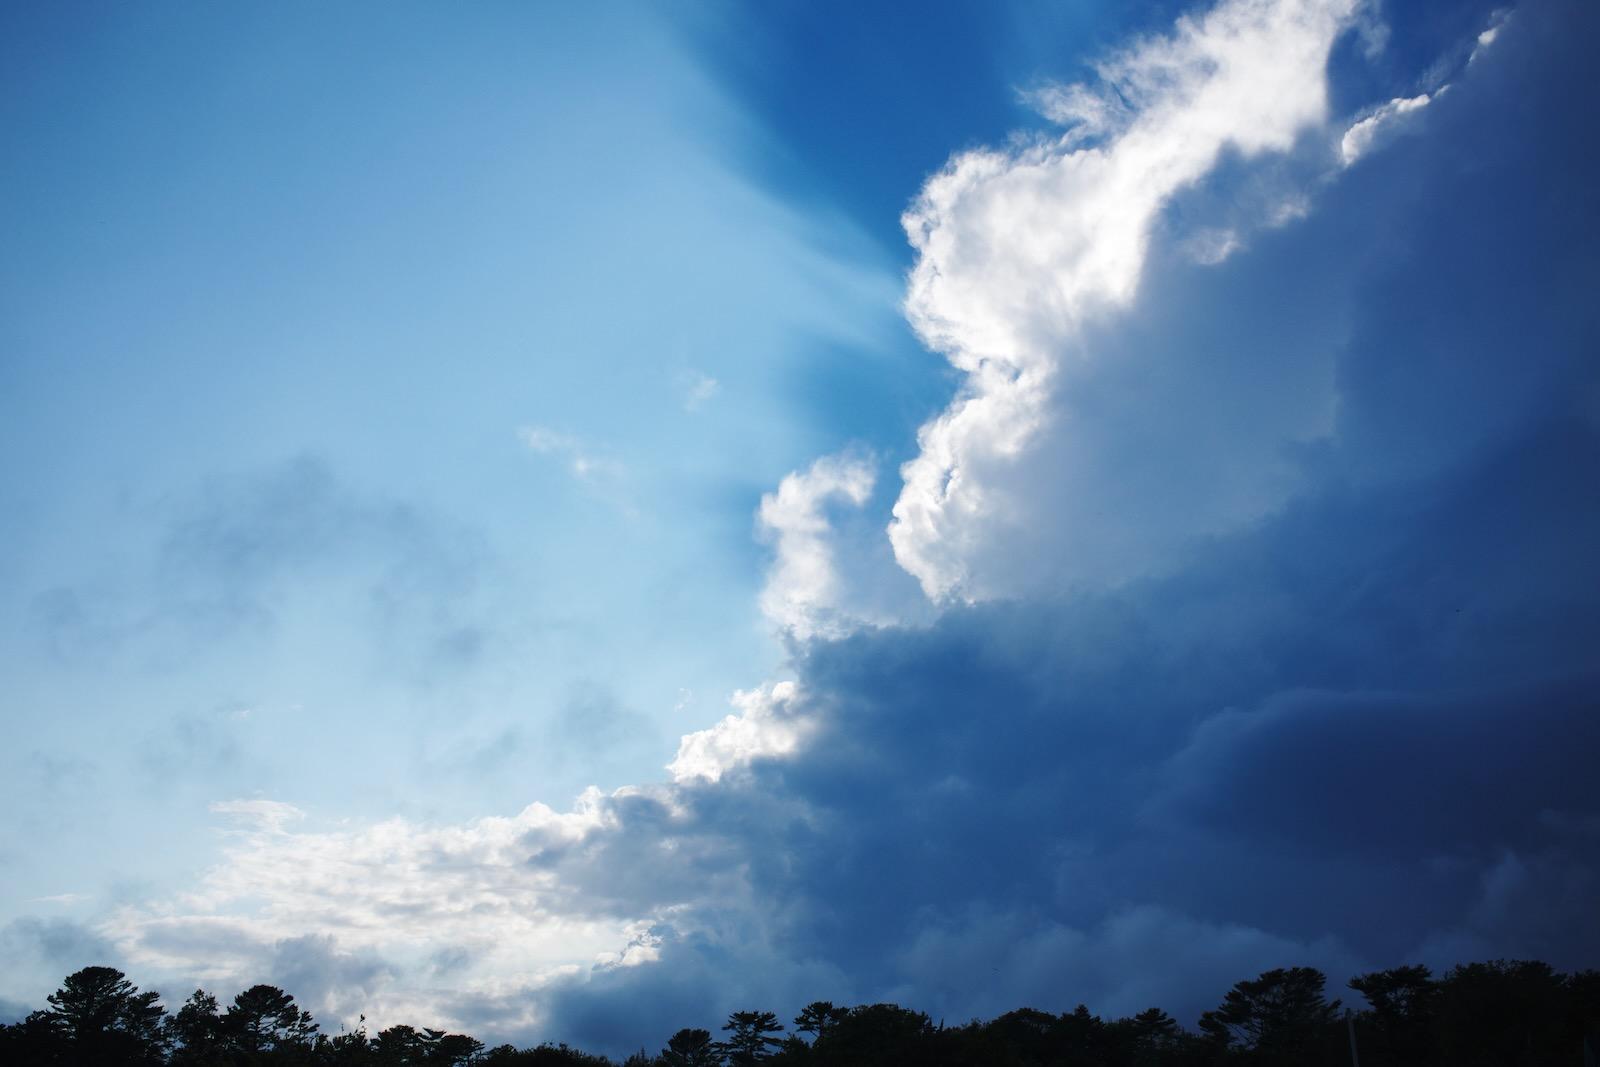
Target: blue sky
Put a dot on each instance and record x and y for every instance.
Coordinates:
(517, 517)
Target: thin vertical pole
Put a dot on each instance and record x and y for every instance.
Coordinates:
(1350, 1023)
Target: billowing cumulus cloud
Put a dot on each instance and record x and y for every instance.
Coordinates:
(1162, 351)
(765, 726)
(803, 592)
(1294, 663)
(832, 571)
(1020, 250)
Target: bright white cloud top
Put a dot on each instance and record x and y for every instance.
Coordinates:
(1018, 248)
(769, 724)
(804, 592)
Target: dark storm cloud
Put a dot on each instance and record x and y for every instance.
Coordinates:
(1357, 732)
(1105, 802)
(1369, 775)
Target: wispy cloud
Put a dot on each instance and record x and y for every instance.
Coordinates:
(1491, 33)
(1365, 132)
(581, 460)
(698, 391)
(1380, 123)
(269, 816)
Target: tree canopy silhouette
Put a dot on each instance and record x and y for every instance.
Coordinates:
(818, 1017)
(690, 1048)
(102, 1017)
(1503, 1013)
(750, 1037)
(1279, 1016)
(265, 1019)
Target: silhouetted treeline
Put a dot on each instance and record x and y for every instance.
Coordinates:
(1497, 1014)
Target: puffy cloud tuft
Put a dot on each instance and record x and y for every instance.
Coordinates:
(804, 594)
(767, 724)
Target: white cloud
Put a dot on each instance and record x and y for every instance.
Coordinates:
(1367, 131)
(1085, 113)
(394, 898)
(1486, 39)
(804, 594)
(1019, 249)
(1213, 245)
(1378, 124)
(767, 725)
(394, 890)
